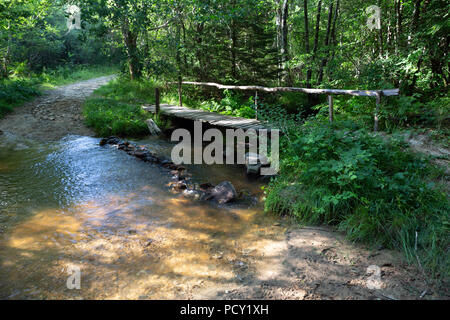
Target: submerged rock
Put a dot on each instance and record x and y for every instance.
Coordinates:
(110, 140)
(223, 193)
(194, 194)
(206, 187)
(254, 162)
(179, 186)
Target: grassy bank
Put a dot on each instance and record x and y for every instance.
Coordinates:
(20, 89)
(115, 109)
(371, 188)
(15, 92)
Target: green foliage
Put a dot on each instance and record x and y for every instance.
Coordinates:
(34, 38)
(109, 117)
(369, 187)
(163, 122)
(14, 93)
(231, 105)
(116, 109)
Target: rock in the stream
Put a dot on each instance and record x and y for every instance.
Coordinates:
(110, 140)
(207, 187)
(223, 193)
(179, 186)
(1, 132)
(141, 154)
(153, 128)
(254, 162)
(194, 194)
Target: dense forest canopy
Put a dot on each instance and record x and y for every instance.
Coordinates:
(313, 43)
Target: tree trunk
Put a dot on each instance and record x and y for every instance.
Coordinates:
(416, 15)
(184, 43)
(178, 56)
(316, 37)
(199, 51)
(380, 35)
(309, 72)
(414, 24)
(233, 54)
(283, 29)
(130, 39)
(399, 11)
(4, 70)
(327, 42)
(333, 36)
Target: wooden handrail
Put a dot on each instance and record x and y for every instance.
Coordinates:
(378, 94)
(362, 93)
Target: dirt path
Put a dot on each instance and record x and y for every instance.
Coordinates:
(318, 263)
(280, 261)
(55, 114)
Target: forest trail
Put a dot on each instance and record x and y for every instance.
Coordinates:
(54, 115)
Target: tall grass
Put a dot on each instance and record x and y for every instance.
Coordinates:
(109, 117)
(115, 109)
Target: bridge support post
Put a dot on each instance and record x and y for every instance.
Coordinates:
(377, 111)
(180, 95)
(331, 108)
(157, 102)
(256, 105)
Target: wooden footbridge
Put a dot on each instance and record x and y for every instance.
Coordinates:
(220, 120)
(212, 118)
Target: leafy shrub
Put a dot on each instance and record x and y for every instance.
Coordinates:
(372, 189)
(437, 112)
(231, 105)
(15, 92)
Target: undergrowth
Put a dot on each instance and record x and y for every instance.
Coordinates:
(109, 117)
(116, 109)
(15, 92)
(370, 187)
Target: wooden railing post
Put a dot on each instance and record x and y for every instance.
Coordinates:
(256, 105)
(377, 111)
(157, 102)
(331, 108)
(180, 96)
